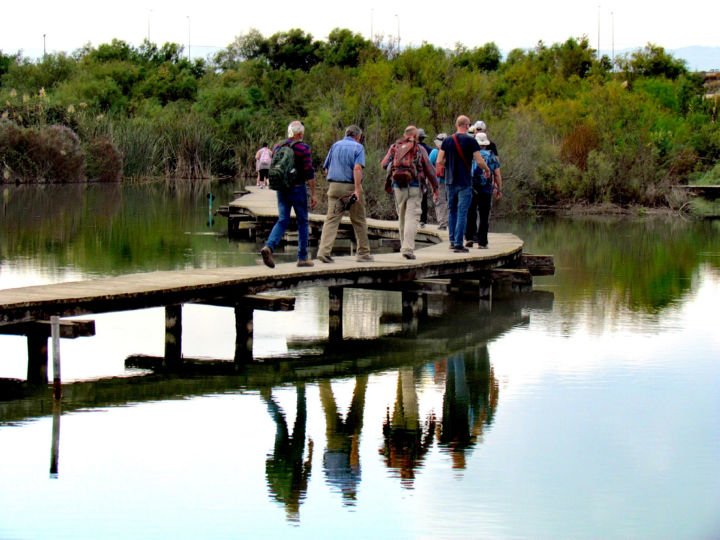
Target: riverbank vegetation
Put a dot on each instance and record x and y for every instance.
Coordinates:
(571, 128)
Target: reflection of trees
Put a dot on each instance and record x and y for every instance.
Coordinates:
(406, 439)
(287, 473)
(341, 461)
(469, 404)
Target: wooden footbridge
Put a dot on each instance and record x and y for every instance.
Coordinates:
(500, 269)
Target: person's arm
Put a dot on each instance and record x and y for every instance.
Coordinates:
(357, 177)
(497, 180)
(388, 159)
(481, 163)
(313, 199)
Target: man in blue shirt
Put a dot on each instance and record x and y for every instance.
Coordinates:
(459, 150)
(344, 168)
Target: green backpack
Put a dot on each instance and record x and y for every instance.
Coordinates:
(282, 172)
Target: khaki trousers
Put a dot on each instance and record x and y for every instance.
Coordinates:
(338, 193)
(408, 206)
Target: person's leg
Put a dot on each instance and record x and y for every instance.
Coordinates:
(464, 195)
(278, 230)
(424, 208)
(441, 207)
(300, 204)
(413, 211)
(358, 218)
(401, 198)
(452, 213)
(332, 219)
(485, 205)
(471, 225)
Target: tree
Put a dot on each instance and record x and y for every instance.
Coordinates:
(293, 50)
(652, 61)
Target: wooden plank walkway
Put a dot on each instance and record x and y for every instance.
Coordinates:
(225, 285)
(261, 206)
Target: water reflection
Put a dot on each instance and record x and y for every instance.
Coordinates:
(469, 404)
(407, 439)
(286, 468)
(341, 461)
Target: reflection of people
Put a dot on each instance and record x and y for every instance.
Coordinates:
(406, 440)
(342, 455)
(287, 473)
(469, 404)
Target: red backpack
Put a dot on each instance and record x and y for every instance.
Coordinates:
(404, 164)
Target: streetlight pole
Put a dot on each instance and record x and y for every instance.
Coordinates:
(44, 48)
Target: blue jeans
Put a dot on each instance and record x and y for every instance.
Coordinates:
(297, 200)
(459, 198)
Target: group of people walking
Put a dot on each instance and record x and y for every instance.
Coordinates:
(462, 174)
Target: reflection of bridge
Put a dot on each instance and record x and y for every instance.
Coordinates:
(436, 337)
(502, 267)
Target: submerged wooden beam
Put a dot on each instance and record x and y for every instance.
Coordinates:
(538, 265)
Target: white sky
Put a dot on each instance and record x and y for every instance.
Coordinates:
(67, 25)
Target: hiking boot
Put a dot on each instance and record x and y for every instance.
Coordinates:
(267, 256)
(468, 244)
(302, 264)
(365, 258)
(482, 246)
(325, 258)
(410, 256)
(461, 249)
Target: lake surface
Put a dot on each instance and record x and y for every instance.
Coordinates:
(588, 409)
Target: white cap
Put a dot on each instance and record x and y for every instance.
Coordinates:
(480, 125)
(482, 139)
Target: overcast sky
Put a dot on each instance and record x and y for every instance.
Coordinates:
(67, 25)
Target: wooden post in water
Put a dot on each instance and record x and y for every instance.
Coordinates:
(336, 314)
(37, 348)
(173, 335)
(243, 333)
(55, 447)
(55, 333)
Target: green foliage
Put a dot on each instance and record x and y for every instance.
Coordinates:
(569, 129)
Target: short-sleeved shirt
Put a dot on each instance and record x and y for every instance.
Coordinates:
(433, 159)
(342, 158)
(303, 160)
(456, 172)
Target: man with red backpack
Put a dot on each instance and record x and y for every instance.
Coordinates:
(407, 164)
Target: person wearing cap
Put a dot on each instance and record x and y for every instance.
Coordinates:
(441, 207)
(423, 187)
(480, 127)
(406, 183)
(478, 219)
(458, 152)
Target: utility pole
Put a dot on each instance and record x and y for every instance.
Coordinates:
(44, 48)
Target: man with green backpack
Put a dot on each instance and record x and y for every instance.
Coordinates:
(291, 168)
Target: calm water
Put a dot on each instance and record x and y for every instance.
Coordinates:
(586, 410)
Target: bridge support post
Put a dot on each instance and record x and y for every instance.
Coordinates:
(335, 331)
(414, 306)
(173, 335)
(37, 347)
(243, 333)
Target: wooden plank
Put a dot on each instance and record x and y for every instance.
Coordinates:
(538, 265)
(255, 301)
(512, 275)
(68, 329)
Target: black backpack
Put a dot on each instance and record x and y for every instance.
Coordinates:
(283, 172)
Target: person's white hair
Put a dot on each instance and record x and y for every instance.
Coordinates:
(294, 128)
